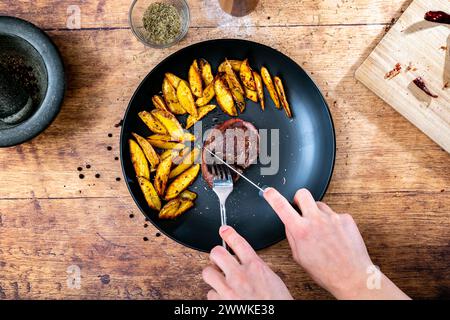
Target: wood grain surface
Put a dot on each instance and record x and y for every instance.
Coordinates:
(391, 177)
(421, 48)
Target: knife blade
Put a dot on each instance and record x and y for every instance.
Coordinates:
(237, 172)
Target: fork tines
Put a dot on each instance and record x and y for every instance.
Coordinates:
(221, 172)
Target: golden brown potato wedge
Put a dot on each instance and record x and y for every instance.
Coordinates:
(239, 99)
(232, 78)
(195, 79)
(186, 163)
(165, 142)
(259, 89)
(170, 95)
(159, 102)
(153, 124)
(148, 150)
(246, 75)
(202, 112)
(206, 71)
(267, 79)
(150, 194)
(189, 195)
(169, 211)
(169, 153)
(235, 86)
(186, 98)
(178, 157)
(188, 137)
(170, 122)
(174, 208)
(185, 205)
(251, 94)
(173, 79)
(282, 95)
(180, 183)
(208, 95)
(162, 175)
(236, 64)
(224, 97)
(138, 159)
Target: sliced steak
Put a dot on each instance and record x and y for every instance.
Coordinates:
(236, 142)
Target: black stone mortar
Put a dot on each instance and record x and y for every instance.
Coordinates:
(31, 71)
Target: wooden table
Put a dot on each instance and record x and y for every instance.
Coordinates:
(388, 175)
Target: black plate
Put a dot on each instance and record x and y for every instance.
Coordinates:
(306, 144)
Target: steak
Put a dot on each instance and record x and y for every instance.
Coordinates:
(236, 142)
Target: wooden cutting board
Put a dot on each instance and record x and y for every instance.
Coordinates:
(422, 49)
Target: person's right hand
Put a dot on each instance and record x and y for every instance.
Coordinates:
(329, 247)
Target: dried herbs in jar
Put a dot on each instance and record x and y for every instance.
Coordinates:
(162, 23)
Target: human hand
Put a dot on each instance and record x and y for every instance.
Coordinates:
(244, 277)
(329, 247)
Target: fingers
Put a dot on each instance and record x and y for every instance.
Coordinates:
(238, 244)
(305, 201)
(324, 207)
(282, 207)
(215, 279)
(224, 260)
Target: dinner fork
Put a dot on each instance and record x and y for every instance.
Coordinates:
(222, 186)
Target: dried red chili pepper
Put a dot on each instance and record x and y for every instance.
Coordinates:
(437, 16)
(394, 72)
(422, 86)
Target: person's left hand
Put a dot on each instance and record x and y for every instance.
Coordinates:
(244, 277)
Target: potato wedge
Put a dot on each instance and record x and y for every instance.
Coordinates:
(138, 159)
(259, 89)
(282, 96)
(170, 122)
(169, 153)
(235, 86)
(153, 124)
(159, 102)
(189, 195)
(202, 112)
(186, 98)
(195, 79)
(170, 95)
(208, 95)
(150, 194)
(169, 211)
(186, 163)
(148, 150)
(162, 175)
(232, 79)
(224, 97)
(185, 205)
(178, 157)
(239, 99)
(174, 208)
(165, 142)
(206, 72)
(246, 75)
(188, 137)
(173, 79)
(267, 79)
(180, 183)
(235, 64)
(251, 94)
